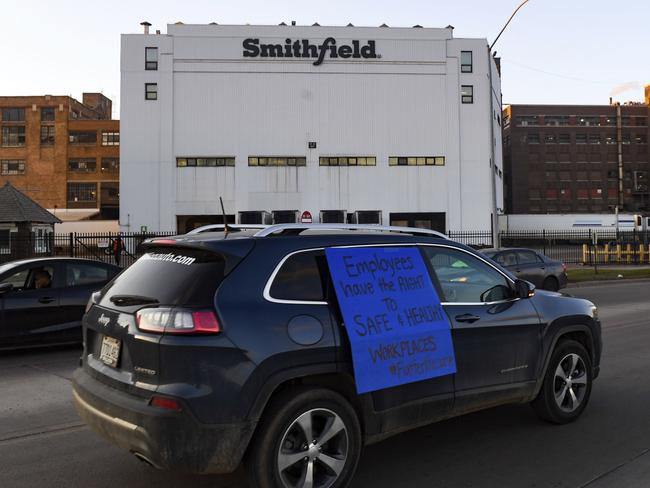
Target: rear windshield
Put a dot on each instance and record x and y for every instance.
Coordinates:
(172, 276)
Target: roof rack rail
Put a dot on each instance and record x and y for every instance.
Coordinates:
(295, 229)
(231, 227)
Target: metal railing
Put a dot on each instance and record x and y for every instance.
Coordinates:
(570, 246)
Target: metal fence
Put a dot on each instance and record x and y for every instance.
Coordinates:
(583, 246)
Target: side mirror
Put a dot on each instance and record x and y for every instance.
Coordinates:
(5, 288)
(524, 289)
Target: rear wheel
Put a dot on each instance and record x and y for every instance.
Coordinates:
(308, 438)
(567, 384)
(551, 284)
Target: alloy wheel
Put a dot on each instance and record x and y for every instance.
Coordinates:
(570, 383)
(313, 451)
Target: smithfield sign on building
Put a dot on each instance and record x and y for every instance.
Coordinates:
(350, 124)
(303, 48)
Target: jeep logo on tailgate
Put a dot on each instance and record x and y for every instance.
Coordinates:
(103, 320)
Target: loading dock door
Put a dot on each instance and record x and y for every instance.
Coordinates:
(421, 220)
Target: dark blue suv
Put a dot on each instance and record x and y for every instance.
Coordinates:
(220, 348)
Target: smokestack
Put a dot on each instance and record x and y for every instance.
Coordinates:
(146, 26)
(610, 100)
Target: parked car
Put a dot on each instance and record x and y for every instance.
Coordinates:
(214, 349)
(42, 300)
(530, 265)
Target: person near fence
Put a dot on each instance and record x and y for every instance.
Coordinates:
(118, 247)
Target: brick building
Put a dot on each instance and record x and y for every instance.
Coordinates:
(62, 153)
(565, 158)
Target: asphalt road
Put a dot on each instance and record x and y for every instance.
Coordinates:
(42, 442)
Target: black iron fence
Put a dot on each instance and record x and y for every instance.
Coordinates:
(583, 246)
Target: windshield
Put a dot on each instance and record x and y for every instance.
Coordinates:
(170, 276)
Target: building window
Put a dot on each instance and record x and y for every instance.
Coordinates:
(626, 139)
(640, 138)
(277, 161)
(551, 194)
(466, 61)
(13, 135)
(47, 114)
(110, 138)
(641, 121)
(583, 193)
(467, 93)
(13, 115)
(82, 192)
(110, 165)
(82, 137)
(564, 139)
(581, 138)
(151, 91)
(524, 120)
(12, 167)
(348, 161)
(556, 120)
(550, 139)
(416, 161)
(594, 138)
(151, 58)
(47, 135)
(209, 162)
(86, 165)
(532, 138)
(588, 121)
(610, 139)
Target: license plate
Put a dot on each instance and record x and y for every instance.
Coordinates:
(110, 352)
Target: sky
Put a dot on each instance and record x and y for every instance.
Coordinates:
(553, 51)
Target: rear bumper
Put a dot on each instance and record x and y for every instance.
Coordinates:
(166, 439)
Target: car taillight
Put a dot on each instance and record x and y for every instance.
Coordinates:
(177, 321)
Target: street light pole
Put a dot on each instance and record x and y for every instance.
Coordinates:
(504, 27)
(496, 241)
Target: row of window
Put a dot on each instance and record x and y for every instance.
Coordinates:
(89, 165)
(583, 138)
(82, 192)
(10, 167)
(581, 194)
(17, 114)
(581, 120)
(302, 161)
(14, 136)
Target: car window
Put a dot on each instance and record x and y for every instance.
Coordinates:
(506, 259)
(527, 257)
(173, 276)
(32, 278)
(79, 274)
(465, 278)
(302, 277)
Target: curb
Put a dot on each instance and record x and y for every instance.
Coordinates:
(581, 284)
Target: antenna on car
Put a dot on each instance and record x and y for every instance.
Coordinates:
(223, 212)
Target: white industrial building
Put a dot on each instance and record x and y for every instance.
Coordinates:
(371, 124)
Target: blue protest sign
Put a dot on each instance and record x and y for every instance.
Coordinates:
(398, 331)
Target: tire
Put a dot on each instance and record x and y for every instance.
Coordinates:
(282, 437)
(551, 284)
(567, 384)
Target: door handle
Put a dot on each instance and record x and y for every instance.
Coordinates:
(467, 317)
(45, 300)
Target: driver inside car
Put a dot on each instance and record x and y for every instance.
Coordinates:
(42, 279)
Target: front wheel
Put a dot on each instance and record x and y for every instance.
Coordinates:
(551, 284)
(307, 438)
(567, 384)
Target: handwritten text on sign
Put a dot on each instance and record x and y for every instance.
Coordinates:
(398, 331)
